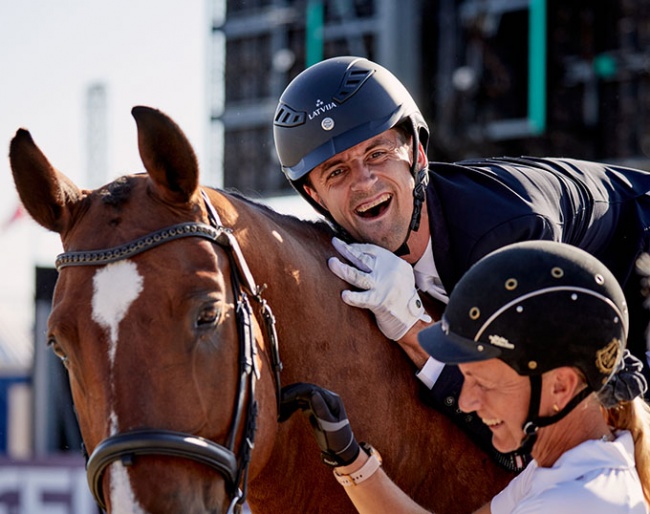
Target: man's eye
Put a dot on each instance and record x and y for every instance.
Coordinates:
(377, 154)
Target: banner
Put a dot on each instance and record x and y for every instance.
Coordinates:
(55, 485)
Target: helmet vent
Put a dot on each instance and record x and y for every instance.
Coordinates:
(352, 81)
(285, 116)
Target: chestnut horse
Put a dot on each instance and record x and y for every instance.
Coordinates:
(171, 376)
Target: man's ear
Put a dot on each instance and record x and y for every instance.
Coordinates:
(422, 157)
(313, 195)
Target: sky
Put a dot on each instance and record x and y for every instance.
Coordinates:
(143, 52)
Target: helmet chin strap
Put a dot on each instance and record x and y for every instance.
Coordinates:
(534, 421)
(421, 178)
(421, 181)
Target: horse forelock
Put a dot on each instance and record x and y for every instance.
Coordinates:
(122, 211)
(117, 192)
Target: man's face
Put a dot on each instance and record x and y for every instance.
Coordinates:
(368, 189)
(500, 397)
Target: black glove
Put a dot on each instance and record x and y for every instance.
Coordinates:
(327, 418)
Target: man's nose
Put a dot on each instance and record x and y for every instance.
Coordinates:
(363, 176)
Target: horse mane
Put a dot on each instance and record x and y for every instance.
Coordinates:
(321, 224)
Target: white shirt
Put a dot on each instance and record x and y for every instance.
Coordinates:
(427, 278)
(595, 477)
(428, 281)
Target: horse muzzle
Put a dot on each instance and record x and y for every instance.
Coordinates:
(127, 446)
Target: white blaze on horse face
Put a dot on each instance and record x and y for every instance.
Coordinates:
(123, 500)
(113, 424)
(115, 288)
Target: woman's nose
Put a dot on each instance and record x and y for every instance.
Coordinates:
(468, 401)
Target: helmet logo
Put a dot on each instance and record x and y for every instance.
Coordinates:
(327, 123)
(321, 108)
(606, 357)
(501, 341)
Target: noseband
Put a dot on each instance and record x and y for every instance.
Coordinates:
(125, 447)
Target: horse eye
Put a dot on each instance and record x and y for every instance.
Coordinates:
(58, 351)
(208, 315)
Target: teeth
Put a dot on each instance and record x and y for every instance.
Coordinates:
(366, 207)
(491, 422)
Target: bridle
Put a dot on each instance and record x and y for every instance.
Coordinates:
(125, 447)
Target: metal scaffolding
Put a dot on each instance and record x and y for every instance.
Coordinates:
(492, 77)
(258, 47)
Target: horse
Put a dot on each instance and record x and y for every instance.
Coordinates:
(162, 317)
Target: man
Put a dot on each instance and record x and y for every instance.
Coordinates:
(352, 142)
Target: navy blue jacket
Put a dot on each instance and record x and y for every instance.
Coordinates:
(481, 205)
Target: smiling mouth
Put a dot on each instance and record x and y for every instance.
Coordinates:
(375, 208)
(492, 423)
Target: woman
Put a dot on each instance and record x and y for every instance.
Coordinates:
(538, 330)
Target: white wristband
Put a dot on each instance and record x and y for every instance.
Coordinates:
(364, 472)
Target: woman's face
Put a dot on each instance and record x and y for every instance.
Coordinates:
(500, 398)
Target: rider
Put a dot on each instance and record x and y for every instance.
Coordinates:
(539, 330)
(352, 142)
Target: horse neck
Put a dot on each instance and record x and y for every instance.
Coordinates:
(272, 241)
(324, 341)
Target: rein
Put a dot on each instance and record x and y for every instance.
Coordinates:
(124, 447)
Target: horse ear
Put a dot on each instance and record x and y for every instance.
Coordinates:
(166, 154)
(47, 194)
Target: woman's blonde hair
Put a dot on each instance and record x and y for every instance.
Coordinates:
(634, 416)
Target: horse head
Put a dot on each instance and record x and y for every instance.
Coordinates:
(152, 293)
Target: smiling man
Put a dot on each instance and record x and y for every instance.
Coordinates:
(366, 189)
(352, 142)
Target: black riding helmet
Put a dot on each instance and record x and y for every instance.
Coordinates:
(536, 305)
(335, 105)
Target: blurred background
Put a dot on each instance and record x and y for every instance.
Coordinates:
(492, 77)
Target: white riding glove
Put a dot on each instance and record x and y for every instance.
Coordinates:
(387, 283)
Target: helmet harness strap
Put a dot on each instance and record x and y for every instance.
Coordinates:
(534, 421)
(421, 181)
